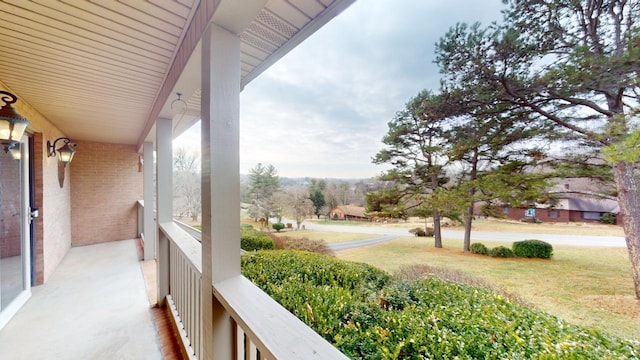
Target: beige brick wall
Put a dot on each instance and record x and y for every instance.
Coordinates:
(106, 182)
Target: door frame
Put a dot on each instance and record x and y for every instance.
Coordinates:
(7, 313)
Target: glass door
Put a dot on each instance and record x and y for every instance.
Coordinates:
(15, 267)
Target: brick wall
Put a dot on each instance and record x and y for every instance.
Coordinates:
(542, 214)
(105, 185)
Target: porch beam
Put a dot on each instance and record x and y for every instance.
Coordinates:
(164, 200)
(149, 223)
(220, 180)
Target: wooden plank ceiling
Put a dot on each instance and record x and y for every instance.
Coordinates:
(94, 67)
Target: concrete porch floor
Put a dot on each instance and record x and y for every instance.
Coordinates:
(94, 306)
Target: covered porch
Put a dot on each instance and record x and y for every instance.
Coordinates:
(95, 306)
(121, 79)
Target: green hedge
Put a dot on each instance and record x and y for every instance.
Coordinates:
(252, 239)
(533, 249)
(479, 248)
(368, 314)
(501, 251)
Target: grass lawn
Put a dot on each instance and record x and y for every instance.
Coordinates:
(327, 236)
(586, 286)
(572, 228)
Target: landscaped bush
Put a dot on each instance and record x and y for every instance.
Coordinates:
(421, 232)
(418, 231)
(501, 251)
(277, 226)
(479, 248)
(368, 314)
(533, 249)
(416, 272)
(304, 244)
(608, 218)
(252, 239)
(531, 220)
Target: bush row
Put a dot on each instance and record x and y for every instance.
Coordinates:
(368, 314)
(252, 239)
(526, 248)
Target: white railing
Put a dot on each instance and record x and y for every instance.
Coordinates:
(185, 275)
(262, 329)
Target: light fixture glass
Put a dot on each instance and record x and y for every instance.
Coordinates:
(65, 152)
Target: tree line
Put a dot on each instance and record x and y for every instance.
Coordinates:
(268, 199)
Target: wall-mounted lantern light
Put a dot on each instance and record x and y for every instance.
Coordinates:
(65, 152)
(65, 155)
(12, 125)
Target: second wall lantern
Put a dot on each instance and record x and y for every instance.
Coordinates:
(65, 152)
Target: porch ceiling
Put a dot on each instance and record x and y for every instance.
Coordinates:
(95, 68)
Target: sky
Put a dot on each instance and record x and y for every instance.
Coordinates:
(322, 110)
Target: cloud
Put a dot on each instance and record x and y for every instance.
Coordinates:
(323, 109)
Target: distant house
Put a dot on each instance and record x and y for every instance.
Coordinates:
(349, 212)
(568, 208)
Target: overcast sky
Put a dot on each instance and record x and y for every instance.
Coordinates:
(322, 110)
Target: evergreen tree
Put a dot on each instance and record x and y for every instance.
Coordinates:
(572, 66)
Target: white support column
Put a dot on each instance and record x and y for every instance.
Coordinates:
(149, 224)
(220, 106)
(164, 200)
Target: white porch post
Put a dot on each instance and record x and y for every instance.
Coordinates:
(220, 181)
(149, 224)
(164, 200)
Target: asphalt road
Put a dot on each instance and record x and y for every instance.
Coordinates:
(380, 234)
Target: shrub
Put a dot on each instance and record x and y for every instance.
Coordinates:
(252, 239)
(531, 220)
(249, 226)
(421, 232)
(608, 218)
(368, 314)
(533, 249)
(277, 226)
(304, 244)
(479, 248)
(501, 251)
(417, 272)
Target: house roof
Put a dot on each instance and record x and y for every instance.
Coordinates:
(104, 70)
(593, 204)
(351, 210)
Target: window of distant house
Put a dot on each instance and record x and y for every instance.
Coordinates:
(505, 210)
(591, 215)
(554, 214)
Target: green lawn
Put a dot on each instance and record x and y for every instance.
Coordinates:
(587, 286)
(571, 228)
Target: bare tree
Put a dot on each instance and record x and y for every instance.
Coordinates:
(186, 170)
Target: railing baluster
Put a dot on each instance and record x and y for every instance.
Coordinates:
(239, 340)
(243, 301)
